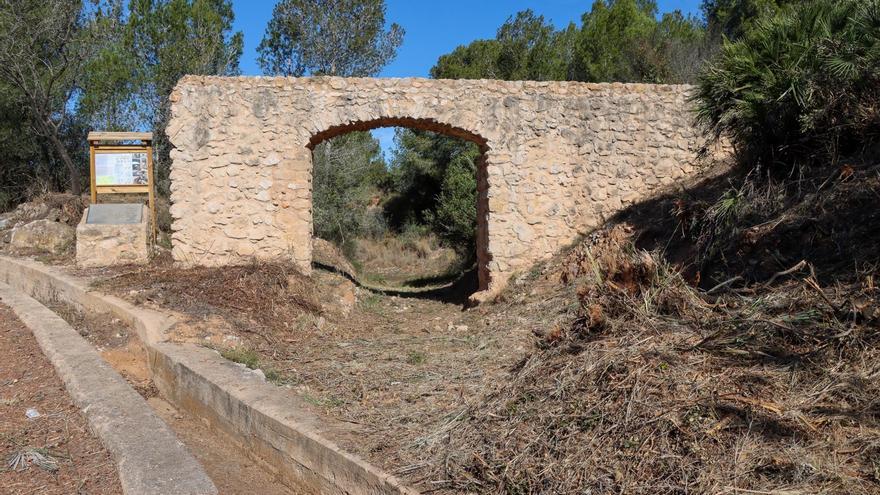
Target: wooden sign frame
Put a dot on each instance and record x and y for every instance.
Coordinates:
(109, 142)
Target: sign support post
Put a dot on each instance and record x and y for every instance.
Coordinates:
(122, 163)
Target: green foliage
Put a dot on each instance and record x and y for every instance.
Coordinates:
(802, 83)
(43, 50)
(417, 168)
(147, 48)
(611, 38)
(20, 151)
(416, 358)
(242, 355)
(527, 47)
(251, 359)
(477, 60)
(28, 166)
(142, 51)
(335, 37)
(531, 49)
(619, 40)
(733, 18)
(111, 79)
(456, 211)
(434, 185)
(682, 47)
(173, 38)
(347, 173)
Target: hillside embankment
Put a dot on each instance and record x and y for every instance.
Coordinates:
(726, 341)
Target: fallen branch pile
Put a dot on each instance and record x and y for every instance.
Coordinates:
(660, 388)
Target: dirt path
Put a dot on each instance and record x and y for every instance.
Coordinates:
(28, 381)
(395, 367)
(398, 370)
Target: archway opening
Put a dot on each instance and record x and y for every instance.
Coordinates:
(405, 202)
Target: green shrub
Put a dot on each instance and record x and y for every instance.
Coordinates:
(416, 358)
(803, 85)
(435, 189)
(455, 220)
(242, 355)
(347, 172)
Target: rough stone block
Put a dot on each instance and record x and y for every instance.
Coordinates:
(108, 244)
(42, 235)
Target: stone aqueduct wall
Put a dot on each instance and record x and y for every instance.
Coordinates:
(558, 158)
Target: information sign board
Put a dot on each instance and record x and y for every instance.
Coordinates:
(121, 169)
(121, 163)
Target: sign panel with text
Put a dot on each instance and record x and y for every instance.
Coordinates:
(121, 169)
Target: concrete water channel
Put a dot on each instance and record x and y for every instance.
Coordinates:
(235, 425)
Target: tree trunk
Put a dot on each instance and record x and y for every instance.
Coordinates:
(75, 183)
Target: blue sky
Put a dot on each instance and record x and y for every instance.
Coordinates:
(433, 28)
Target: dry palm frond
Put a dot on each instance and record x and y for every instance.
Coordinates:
(30, 456)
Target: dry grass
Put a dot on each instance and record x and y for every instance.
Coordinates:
(269, 294)
(658, 388)
(408, 260)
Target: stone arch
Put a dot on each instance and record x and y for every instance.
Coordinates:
(422, 124)
(483, 254)
(559, 157)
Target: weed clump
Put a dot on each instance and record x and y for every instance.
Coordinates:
(251, 359)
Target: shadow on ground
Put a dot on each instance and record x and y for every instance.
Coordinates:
(454, 289)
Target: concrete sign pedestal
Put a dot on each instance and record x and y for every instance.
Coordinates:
(113, 234)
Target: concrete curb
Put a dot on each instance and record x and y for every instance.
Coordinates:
(149, 457)
(272, 424)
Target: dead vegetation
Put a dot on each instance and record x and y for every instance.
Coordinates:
(767, 380)
(387, 368)
(656, 388)
(57, 207)
(264, 297)
(827, 217)
(46, 445)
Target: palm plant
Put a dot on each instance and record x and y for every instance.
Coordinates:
(802, 85)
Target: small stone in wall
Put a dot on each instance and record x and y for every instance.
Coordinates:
(272, 160)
